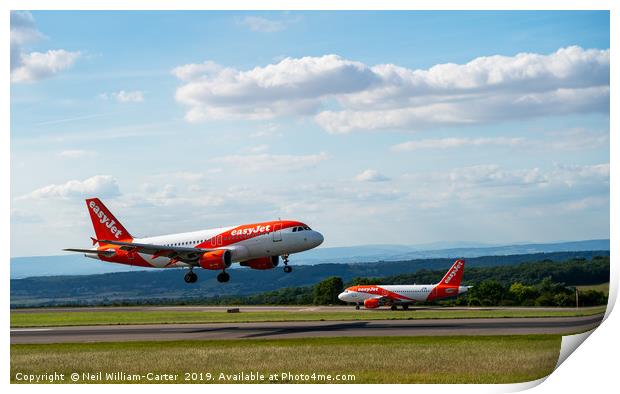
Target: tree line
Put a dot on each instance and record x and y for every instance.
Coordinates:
(541, 283)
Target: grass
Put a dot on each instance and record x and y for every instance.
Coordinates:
(452, 359)
(78, 318)
(604, 287)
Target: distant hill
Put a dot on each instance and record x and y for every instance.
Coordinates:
(77, 264)
(169, 283)
(370, 253)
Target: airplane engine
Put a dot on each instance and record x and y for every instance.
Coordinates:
(263, 263)
(371, 303)
(215, 260)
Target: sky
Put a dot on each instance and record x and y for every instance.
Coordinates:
(371, 127)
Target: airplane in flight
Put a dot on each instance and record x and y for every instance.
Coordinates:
(372, 296)
(257, 245)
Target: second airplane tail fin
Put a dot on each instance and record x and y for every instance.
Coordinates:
(105, 224)
(454, 275)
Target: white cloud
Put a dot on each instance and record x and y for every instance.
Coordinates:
(572, 175)
(123, 96)
(371, 176)
(76, 154)
(491, 187)
(23, 28)
(190, 72)
(97, 186)
(33, 66)
(290, 87)
(260, 24)
(446, 143)
(264, 161)
(387, 96)
(37, 65)
(495, 176)
(572, 139)
(471, 109)
(126, 97)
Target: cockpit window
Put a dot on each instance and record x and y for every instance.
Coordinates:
(306, 228)
(294, 229)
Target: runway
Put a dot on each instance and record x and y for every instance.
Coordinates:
(270, 308)
(309, 329)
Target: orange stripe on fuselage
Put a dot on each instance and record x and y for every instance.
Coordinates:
(247, 231)
(378, 290)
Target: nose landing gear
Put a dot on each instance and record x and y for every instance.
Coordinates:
(287, 268)
(190, 277)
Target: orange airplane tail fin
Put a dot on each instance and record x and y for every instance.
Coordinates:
(105, 224)
(454, 275)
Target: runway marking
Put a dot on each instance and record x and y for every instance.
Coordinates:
(30, 329)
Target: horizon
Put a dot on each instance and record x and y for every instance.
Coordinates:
(413, 247)
(373, 127)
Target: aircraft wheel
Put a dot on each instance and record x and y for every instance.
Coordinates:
(393, 307)
(288, 269)
(405, 307)
(357, 307)
(223, 277)
(190, 277)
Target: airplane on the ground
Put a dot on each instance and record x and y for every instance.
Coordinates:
(257, 245)
(372, 296)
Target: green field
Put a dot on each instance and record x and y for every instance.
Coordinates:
(454, 359)
(42, 319)
(604, 287)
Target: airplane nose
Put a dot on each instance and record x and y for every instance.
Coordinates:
(318, 238)
(342, 296)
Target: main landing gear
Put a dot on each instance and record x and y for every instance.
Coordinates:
(223, 277)
(191, 277)
(287, 268)
(395, 307)
(357, 306)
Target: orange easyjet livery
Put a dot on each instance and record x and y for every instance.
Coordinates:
(257, 245)
(372, 296)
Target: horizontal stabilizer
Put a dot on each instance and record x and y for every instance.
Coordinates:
(93, 251)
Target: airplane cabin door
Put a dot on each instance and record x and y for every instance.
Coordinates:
(277, 234)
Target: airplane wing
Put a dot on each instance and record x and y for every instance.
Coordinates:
(179, 253)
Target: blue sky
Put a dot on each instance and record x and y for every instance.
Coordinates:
(373, 127)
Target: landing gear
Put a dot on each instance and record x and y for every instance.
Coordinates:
(288, 269)
(223, 277)
(406, 307)
(190, 277)
(393, 307)
(357, 306)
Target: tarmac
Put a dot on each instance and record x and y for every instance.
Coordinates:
(305, 329)
(269, 308)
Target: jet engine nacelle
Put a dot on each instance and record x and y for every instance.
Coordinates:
(216, 259)
(263, 263)
(371, 303)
